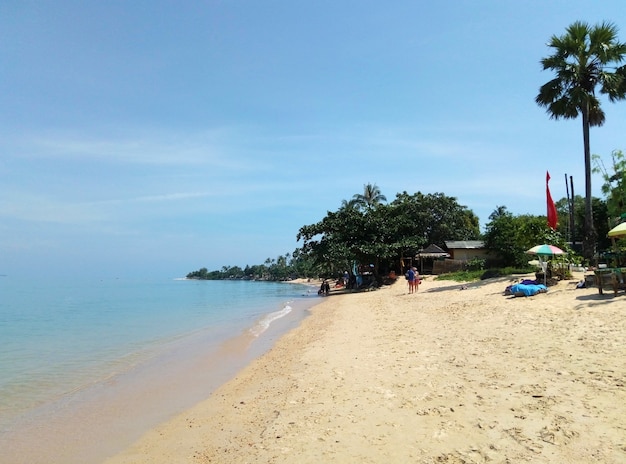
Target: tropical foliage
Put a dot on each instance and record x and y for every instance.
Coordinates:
(584, 59)
(370, 198)
(381, 234)
(510, 236)
(614, 186)
(600, 220)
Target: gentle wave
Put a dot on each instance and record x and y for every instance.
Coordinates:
(264, 324)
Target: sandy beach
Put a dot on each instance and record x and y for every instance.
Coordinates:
(446, 375)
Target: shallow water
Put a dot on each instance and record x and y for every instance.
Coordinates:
(79, 360)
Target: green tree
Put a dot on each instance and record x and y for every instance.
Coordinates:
(350, 204)
(199, 274)
(500, 236)
(584, 58)
(303, 265)
(279, 269)
(510, 236)
(370, 198)
(600, 220)
(328, 242)
(614, 186)
(383, 234)
(422, 219)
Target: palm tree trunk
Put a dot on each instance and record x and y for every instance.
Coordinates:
(589, 240)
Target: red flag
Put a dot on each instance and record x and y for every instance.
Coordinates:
(552, 217)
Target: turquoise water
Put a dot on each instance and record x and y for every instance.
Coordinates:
(60, 339)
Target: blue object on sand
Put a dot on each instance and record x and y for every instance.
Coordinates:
(528, 290)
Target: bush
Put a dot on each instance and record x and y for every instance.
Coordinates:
(490, 274)
(475, 264)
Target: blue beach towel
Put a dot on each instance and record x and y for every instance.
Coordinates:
(527, 289)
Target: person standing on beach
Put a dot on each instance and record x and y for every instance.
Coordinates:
(416, 283)
(410, 275)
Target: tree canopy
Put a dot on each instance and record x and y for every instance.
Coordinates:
(614, 186)
(385, 233)
(510, 236)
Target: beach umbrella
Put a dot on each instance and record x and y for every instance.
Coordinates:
(545, 250)
(617, 231)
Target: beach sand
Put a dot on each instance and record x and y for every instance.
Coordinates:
(446, 375)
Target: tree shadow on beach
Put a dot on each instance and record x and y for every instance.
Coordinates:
(596, 301)
(505, 280)
(606, 296)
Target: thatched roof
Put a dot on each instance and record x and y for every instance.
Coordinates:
(432, 251)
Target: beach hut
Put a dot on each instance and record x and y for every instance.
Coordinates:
(429, 254)
(466, 250)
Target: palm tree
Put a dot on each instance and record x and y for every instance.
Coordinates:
(370, 198)
(584, 58)
(349, 204)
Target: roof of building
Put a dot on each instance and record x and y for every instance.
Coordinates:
(464, 244)
(432, 251)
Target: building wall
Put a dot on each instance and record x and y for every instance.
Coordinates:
(447, 265)
(466, 254)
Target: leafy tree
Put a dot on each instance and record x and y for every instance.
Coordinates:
(328, 242)
(199, 274)
(500, 235)
(614, 187)
(279, 268)
(303, 265)
(584, 58)
(511, 236)
(387, 232)
(600, 220)
(433, 218)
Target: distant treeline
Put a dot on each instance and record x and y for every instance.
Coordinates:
(285, 267)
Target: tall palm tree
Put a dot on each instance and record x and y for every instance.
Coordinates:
(584, 58)
(370, 198)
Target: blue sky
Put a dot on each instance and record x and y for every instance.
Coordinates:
(159, 137)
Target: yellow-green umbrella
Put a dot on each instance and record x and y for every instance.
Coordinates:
(617, 231)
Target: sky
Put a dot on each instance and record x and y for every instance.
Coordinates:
(158, 137)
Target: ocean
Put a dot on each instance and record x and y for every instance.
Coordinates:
(87, 365)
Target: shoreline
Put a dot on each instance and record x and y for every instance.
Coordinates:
(442, 375)
(105, 417)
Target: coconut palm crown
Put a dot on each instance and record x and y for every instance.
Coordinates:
(370, 198)
(585, 58)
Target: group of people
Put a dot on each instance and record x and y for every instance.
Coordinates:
(324, 288)
(414, 279)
